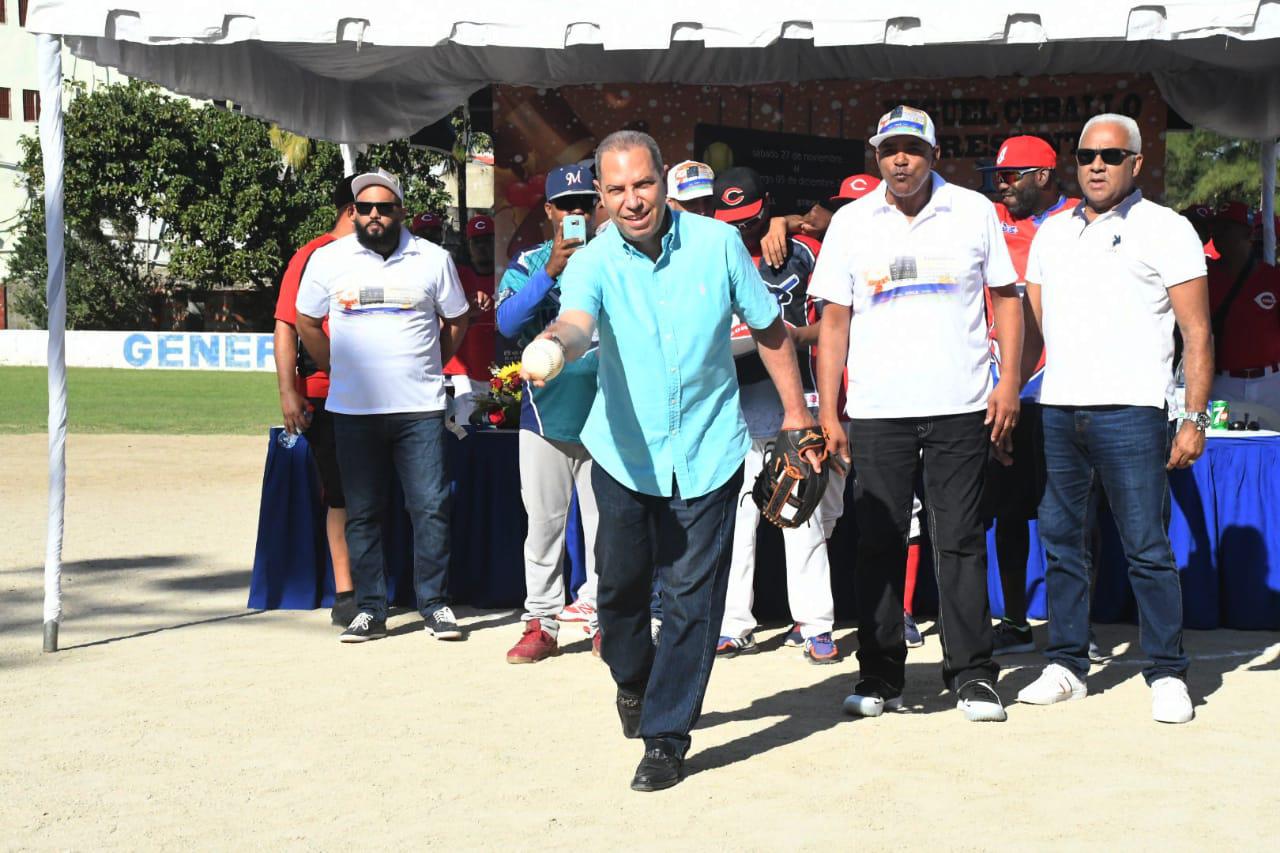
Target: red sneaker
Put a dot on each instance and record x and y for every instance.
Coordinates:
(595, 644)
(579, 611)
(535, 645)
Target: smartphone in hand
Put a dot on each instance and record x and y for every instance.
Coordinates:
(574, 227)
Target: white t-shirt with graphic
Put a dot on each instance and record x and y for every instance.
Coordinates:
(384, 323)
(918, 332)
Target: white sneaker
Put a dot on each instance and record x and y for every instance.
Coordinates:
(1055, 684)
(1170, 702)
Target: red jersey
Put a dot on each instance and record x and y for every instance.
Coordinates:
(1251, 330)
(476, 353)
(312, 382)
(1018, 234)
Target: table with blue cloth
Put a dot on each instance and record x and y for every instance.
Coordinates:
(1225, 540)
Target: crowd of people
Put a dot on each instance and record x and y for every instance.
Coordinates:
(970, 363)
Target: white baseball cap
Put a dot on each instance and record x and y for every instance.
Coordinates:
(689, 180)
(904, 121)
(377, 178)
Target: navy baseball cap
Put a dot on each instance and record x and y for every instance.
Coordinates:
(573, 179)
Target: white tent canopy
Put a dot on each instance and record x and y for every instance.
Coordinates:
(356, 72)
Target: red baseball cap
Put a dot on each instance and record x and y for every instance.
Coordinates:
(426, 222)
(1024, 152)
(1237, 212)
(855, 187)
(480, 226)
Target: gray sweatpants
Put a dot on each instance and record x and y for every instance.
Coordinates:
(549, 470)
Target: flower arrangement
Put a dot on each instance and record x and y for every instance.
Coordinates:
(500, 407)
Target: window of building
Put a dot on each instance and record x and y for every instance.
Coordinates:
(2, 5)
(4, 104)
(22, 13)
(30, 105)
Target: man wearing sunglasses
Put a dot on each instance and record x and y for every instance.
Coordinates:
(1106, 284)
(741, 201)
(902, 274)
(1026, 179)
(553, 460)
(396, 314)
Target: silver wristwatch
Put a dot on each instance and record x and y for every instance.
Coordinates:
(1200, 419)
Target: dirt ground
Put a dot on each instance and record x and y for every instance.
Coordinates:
(174, 717)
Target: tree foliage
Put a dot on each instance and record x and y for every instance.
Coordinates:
(205, 183)
(1202, 167)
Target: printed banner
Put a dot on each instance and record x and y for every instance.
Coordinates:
(144, 350)
(538, 129)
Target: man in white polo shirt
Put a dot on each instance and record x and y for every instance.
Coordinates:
(1106, 283)
(396, 314)
(902, 271)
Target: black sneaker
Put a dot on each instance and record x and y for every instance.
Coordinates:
(344, 609)
(630, 707)
(443, 624)
(980, 703)
(364, 628)
(871, 698)
(1011, 639)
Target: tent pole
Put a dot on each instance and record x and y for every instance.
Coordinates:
(1269, 149)
(49, 57)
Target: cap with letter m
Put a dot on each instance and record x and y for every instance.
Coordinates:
(573, 179)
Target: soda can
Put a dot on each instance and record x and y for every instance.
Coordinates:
(1219, 414)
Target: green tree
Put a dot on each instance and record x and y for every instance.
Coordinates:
(1202, 167)
(210, 186)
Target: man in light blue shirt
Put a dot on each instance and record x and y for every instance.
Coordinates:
(666, 434)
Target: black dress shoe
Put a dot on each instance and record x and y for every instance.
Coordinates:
(657, 770)
(629, 708)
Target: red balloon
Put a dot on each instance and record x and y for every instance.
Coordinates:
(538, 183)
(521, 194)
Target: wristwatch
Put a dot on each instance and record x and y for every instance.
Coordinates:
(1200, 419)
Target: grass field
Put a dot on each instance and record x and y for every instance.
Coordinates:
(102, 400)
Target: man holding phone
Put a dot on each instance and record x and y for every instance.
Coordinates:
(552, 458)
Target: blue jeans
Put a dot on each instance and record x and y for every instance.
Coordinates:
(1124, 450)
(688, 541)
(368, 447)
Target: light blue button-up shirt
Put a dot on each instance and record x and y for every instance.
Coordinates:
(668, 400)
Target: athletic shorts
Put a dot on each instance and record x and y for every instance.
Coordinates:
(1014, 492)
(324, 450)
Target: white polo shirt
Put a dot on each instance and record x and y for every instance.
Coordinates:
(384, 326)
(1104, 293)
(918, 334)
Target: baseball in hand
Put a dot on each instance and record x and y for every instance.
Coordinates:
(543, 359)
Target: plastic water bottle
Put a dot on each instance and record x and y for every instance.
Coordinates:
(288, 439)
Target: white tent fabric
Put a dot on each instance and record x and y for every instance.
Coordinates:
(49, 55)
(361, 73)
(356, 73)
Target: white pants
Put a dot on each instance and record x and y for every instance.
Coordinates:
(549, 470)
(808, 572)
(1260, 398)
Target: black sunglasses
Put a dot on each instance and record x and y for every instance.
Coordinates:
(570, 203)
(385, 208)
(1110, 156)
(1012, 176)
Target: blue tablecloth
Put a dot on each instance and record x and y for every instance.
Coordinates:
(1225, 541)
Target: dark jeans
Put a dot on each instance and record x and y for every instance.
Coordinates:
(1124, 449)
(368, 447)
(688, 541)
(887, 453)
(1010, 499)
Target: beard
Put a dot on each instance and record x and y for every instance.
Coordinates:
(384, 243)
(1023, 202)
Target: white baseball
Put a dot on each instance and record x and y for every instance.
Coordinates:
(543, 359)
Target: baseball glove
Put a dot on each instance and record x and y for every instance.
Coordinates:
(788, 490)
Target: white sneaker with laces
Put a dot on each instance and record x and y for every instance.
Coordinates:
(1170, 702)
(579, 611)
(1055, 684)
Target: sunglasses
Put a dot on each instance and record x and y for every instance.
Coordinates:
(570, 203)
(1110, 156)
(1012, 176)
(385, 208)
